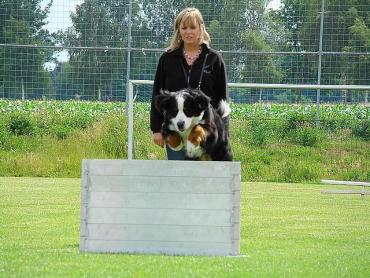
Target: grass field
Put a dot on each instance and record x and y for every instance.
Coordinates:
(287, 230)
(273, 142)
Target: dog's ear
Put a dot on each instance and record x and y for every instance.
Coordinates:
(162, 101)
(164, 92)
(202, 100)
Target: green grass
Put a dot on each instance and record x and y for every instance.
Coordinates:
(277, 159)
(287, 230)
(275, 143)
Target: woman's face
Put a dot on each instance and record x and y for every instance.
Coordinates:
(190, 33)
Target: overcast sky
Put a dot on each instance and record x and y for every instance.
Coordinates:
(275, 4)
(59, 16)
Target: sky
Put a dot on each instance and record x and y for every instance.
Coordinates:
(59, 19)
(275, 4)
(59, 16)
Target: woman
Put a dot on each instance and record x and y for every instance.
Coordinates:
(189, 47)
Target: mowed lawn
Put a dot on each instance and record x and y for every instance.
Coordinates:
(287, 230)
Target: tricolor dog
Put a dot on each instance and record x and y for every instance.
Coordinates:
(191, 122)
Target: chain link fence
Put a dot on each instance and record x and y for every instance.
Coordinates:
(88, 50)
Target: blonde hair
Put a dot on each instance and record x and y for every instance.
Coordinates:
(190, 16)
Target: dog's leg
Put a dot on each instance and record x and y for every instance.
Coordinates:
(174, 141)
(196, 137)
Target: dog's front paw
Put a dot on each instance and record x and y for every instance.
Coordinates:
(194, 151)
(174, 141)
(197, 135)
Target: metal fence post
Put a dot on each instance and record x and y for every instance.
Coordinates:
(128, 69)
(319, 64)
(130, 110)
(129, 86)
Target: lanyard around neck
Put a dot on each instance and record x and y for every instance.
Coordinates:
(187, 76)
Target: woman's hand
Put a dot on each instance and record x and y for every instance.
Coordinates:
(158, 139)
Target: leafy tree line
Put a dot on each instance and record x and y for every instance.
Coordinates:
(346, 29)
(22, 69)
(97, 43)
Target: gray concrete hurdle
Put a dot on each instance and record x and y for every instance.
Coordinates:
(160, 207)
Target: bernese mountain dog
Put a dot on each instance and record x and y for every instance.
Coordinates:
(191, 122)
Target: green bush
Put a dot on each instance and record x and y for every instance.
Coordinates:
(352, 174)
(4, 134)
(60, 131)
(261, 132)
(80, 121)
(362, 129)
(294, 121)
(114, 139)
(299, 171)
(259, 136)
(20, 124)
(306, 136)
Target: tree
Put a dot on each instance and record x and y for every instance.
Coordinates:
(257, 68)
(98, 26)
(245, 26)
(21, 23)
(66, 86)
(346, 28)
(359, 41)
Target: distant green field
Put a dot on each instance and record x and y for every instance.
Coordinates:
(332, 116)
(287, 230)
(274, 143)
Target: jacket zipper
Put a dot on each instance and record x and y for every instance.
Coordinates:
(187, 75)
(189, 72)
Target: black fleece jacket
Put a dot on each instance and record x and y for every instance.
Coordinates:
(170, 76)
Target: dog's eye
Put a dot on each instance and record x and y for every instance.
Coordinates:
(172, 113)
(187, 111)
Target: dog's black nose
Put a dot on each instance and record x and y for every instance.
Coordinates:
(181, 125)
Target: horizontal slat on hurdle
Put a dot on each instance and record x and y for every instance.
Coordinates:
(159, 216)
(159, 200)
(148, 168)
(123, 232)
(164, 247)
(150, 184)
(350, 183)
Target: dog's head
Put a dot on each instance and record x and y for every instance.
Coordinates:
(183, 109)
